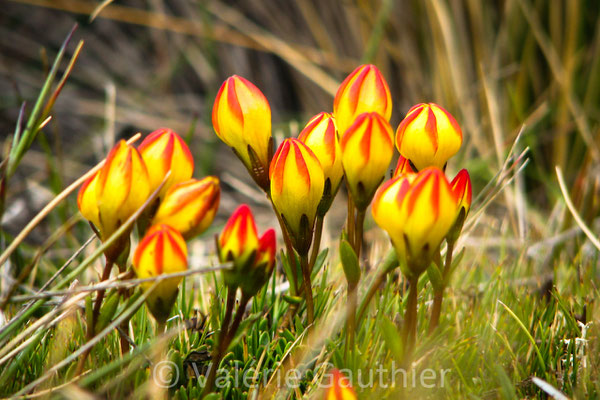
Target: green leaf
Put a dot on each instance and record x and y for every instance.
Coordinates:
(435, 277)
(319, 263)
(107, 311)
(349, 263)
(391, 336)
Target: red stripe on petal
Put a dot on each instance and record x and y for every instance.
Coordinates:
(167, 158)
(232, 100)
(175, 245)
(215, 110)
(355, 89)
(417, 189)
(431, 129)
(159, 253)
(301, 164)
(365, 141)
(277, 167)
(330, 138)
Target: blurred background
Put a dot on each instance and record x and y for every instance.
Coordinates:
(500, 67)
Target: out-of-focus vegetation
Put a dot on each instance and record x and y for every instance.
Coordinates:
(525, 299)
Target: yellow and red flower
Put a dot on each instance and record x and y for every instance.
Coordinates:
(364, 90)
(161, 251)
(258, 275)
(190, 206)
(403, 167)
(116, 191)
(320, 135)
(297, 183)
(428, 136)
(340, 388)
(367, 149)
(87, 200)
(241, 118)
(239, 239)
(461, 186)
(417, 211)
(162, 151)
(253, 258)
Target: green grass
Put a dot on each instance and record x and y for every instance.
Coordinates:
(523, 302)
(496, 332)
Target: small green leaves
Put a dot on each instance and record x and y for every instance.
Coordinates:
(349, 263)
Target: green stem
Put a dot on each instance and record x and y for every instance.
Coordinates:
(351, 317)
(359, 226)
(390, 262)
(288, 247)
(409, 332)
(310, 308)
(91, 325)
(438, 296)
(316, 241)
(350, 223)
(225, 339)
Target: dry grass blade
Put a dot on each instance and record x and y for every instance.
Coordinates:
(292, 56)
(42, 322)
(86, 347)
(113, 284)
(573, 210)
(561, 77)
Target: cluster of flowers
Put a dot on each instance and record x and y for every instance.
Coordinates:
(184, 208)
(418, 207)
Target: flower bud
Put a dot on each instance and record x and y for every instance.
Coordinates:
(461, 186)
(87, 200)
(364, 90)
(320, 135)
(114, 193)
(190, 206)
(163, 150)
(403, 167)
(339, 387)
(253, 258)
(428, 136)
(417, 211)
(241, 118)
(297, 184)
(260, 271)
(161, 251)
(367, 149)
(238, 241)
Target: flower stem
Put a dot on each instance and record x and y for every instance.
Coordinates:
(225, 337)
(409, 332)
(91, 325)
(310, 308)
(316, 241)
(351, 317)
(350, 223)
(288, 247)
(438, 296)
(358, 232)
